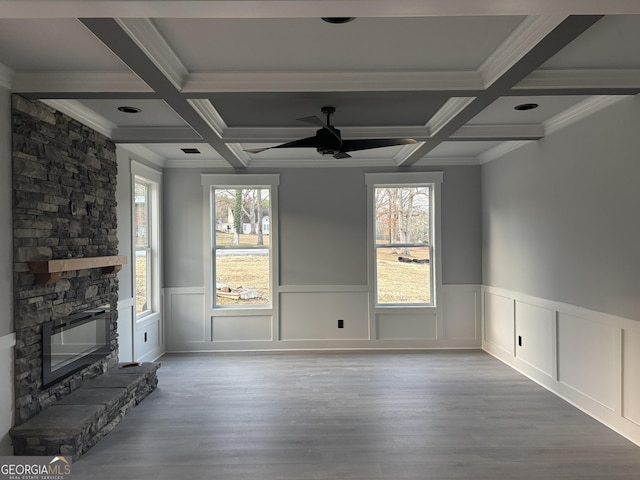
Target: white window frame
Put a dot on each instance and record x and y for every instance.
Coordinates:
(153, 179)
(267, 181)
(400, 180)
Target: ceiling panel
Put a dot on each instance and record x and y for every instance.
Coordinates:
(154, 113)
(53, 45)
(502, 111)
(461, 149)
(611, 43)
(309, 44)
(352, 108)
(172, 151)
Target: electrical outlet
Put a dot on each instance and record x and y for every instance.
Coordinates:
(340, 323)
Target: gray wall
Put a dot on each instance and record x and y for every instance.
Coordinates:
(323, 221)
(560, 216)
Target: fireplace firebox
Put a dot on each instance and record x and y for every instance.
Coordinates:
(74, 342)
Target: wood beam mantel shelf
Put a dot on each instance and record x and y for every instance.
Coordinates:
(50, 271)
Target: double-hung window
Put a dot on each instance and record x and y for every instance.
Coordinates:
(403, 237)
(242, 239)
(146, 231)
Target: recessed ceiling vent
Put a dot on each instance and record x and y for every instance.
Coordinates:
(191, 151)
(338, 20)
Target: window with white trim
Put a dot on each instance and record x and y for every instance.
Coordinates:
(145, 231)
(403, 238)
(242, 234)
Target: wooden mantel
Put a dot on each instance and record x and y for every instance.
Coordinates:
(50, 271)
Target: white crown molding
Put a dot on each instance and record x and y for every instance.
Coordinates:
(500, 150)
(154, 135)
(332, 81)
(209, 114)
(580, 111)
(284, 134)
(196, 163)
(405, 152)
(144, 33)
(501, 132)
(526, 36)
(144, 153)
(84, 115)
(118, 82)
(446, 161)
(581, 78)
(447, 112)
(6, 76)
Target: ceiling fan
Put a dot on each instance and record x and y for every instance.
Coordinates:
(328, 141)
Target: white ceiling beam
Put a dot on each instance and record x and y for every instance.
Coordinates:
(306, 8)
(153, 44)
(498, 132)
(447, 113)
(332, 81)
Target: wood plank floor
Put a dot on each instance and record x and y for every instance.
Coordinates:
(302, 416)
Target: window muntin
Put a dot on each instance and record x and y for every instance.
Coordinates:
(143, 243)
(241, 246)
(403, 228)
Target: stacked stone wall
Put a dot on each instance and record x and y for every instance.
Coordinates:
(64, 183)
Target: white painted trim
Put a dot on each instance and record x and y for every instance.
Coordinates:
(8, 341)
(148, 173)
(500, 150)
(6, 76)
(526, 36)
(481, 132)
(195, 163)
(403, 178)
(222, 179)
(581, 78)
(332, 81)
(446, 161)
(71, 82)
(580, 111)
(154, 135)
(126, 303)
(84, 115)
(145, 153)
(144, 33)
(169, 291)
(209, 114)
(447, 112)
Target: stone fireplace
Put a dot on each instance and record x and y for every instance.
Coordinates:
(70, 391)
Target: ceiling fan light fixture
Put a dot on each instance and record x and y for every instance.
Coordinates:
(128, 109)
(338, 20)
(526, 106)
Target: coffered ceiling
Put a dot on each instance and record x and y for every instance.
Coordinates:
(225, 76)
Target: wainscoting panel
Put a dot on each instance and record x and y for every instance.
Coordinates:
(461, 318)
(630, 377)
(126, 320)
(499, 325)
(242, 328)
(7, 343)
(187, 327)
(314, 315)
(148, 342)
(534, 336)
(421, 325)
(588, 358)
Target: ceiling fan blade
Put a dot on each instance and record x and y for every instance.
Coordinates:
(302, 143)
(340, 155)
(354, 145)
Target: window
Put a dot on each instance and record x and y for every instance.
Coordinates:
(403, 243)
(145, 237)
(242, 240)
